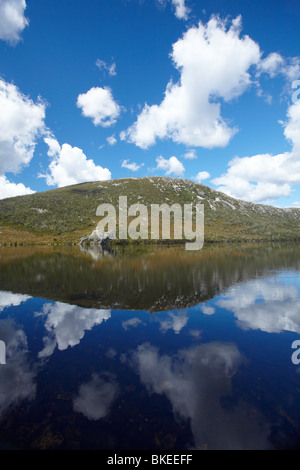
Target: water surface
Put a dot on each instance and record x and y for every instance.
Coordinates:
(157, 349)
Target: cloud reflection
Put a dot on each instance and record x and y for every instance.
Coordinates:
(9, 299)
(196, 381)
(175, 322)
(266, 304)
(95, 397)
(16, 376)
(67, 324)
(132, 323)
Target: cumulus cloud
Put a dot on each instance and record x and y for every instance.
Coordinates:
(271, 64)
(70, 165)
(21, 124)
(12, 20)
(266, 177)
(111, 140)
(214, 64)
(190, 155)
(131, 166)
(181, 10)
(171, 166)
(262, 187)
(275, 64)
(10, 189)
(202, 175)
(99, 105)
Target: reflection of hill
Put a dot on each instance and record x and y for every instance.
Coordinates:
(164, 279)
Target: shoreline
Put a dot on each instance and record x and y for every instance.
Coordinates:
(114, 244)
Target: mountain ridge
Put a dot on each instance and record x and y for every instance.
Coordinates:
(68, 214)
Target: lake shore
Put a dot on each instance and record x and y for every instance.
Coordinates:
(14, 236)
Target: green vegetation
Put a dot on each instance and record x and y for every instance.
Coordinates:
(66, 215)
(156, 279)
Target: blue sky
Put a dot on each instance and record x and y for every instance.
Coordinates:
(106, 89)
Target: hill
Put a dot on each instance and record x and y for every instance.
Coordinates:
(66, 215)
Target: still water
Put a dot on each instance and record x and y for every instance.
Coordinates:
(158, 349)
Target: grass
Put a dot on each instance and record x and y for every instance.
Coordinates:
(66, 215)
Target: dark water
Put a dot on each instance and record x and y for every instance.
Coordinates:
(153, 350)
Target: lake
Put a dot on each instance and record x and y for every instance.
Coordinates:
(151, 349)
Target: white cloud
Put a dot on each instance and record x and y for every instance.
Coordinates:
(181, 10)
(292, 127)
(12, 20)
(54, 148)
(171, 166)
(266, 177)
(21, 124)
(292, 69)
(214, 63)
(244, 179)
(69, 166)
(190, 155)
(111, 140)
(274, 64)
(9, 189)
(131, 166)
(109, 68)
(99, 105)
(202, 175)
(271, 64)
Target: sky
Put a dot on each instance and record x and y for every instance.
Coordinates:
(95, 90)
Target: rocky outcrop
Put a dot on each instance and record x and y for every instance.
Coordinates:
(98, 238)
